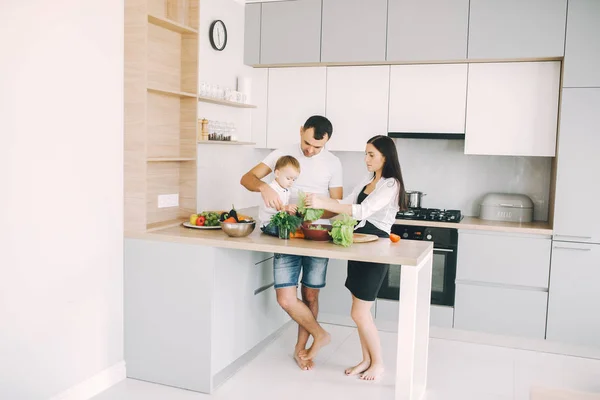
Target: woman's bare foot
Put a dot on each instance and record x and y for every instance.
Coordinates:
(375, 371)
(305, 365)
(319, 341)
(359, 368)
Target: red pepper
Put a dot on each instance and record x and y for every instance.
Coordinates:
(200, 221)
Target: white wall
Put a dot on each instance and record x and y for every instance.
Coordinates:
(220, 167)
(61, 203)
(453, 180)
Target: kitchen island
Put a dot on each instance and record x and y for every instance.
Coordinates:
(199, 304)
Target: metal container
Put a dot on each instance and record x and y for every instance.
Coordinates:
(413, 198)
(238, 229)
(506, 207)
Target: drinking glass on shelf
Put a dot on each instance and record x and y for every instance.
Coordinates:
(227, 94)
(203, 89)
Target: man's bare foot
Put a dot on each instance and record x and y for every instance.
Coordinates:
(375, 371)
(305, 365)
(359, 368)
(319, 341)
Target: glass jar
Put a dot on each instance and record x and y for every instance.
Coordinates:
(284, 233)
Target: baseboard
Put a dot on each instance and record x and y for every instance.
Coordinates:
(94, 385)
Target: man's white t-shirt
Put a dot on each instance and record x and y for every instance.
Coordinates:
(317, 173)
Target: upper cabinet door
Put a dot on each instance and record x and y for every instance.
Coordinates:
(291, 32)
(353, 30)
(252, 34)
(357, 105)
(428, 98)
(294, 95)
(582, 52)
(578, 165)
(421, 30)
(517, 28)
(512, 108)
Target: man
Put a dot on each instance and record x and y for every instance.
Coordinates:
(321, 173)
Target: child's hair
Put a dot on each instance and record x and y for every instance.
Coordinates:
(285, 161)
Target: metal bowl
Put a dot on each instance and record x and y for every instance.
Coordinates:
(238, 229)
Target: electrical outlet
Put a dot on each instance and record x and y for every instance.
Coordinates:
(168, 200)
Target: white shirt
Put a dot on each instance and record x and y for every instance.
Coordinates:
(317, 173)
(265, 213)
(379, 207)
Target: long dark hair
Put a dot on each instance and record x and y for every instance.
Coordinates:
(391, 168)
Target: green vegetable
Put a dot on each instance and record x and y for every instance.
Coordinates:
(342, 231)
(211, 218)
(317, 228)
(283, 220)
(308, 214)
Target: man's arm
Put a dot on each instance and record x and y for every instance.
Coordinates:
(335, 193)
(252, 180)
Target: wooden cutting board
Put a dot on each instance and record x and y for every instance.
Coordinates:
(364, 238)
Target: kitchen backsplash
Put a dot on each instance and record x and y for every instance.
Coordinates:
(453, 180)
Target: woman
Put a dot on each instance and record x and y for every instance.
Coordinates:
(374, 202)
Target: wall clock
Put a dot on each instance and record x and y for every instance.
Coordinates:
(218, 35)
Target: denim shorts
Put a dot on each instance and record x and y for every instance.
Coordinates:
(287, 267)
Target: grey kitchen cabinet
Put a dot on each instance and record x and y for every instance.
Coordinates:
(574, 299)
(504, 259)
(516, 28)
(252, 34)
(577, 167)
(422, 30)
(500, 310)
(582, 49)
(353, 30)
(291, 32)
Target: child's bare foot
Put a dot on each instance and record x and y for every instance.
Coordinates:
(305, 365)
(319, 341)
(374, 372)
(359, 368)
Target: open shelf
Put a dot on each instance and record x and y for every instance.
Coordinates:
(228, 142)
(225, 102)
(170, 25)
(170, 159)
(171, 93)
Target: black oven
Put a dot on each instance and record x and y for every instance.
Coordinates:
(445, 244)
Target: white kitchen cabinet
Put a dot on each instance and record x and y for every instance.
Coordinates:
(505, 259)
(512, 108)
(582, 48)
(511, 29)
(422, 30)
(500, 310)
(357, 105)
(574, 299)
(428, 98)
(259, 96)
(294, 94)
(387, 311)
(577, 190)
(342, 39)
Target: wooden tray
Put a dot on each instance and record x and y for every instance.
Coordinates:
(364, 238)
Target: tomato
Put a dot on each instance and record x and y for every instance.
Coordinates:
(394, 238)
(200, 221)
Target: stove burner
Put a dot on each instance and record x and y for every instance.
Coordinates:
(431, 214)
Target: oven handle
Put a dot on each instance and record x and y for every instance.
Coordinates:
(444, 250)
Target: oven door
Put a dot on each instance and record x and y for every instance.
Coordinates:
(442, 280)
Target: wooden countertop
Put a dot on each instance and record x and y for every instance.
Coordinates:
(473, 223)
(405, 252)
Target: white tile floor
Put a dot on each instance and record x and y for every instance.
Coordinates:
(457, 370)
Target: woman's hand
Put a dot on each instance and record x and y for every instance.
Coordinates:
(314, 201)
(291, 209)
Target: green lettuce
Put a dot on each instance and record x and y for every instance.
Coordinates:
(342, 230)
(308, 214)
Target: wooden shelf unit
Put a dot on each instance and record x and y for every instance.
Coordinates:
(225, 102)
(161, 86)
(226, 142)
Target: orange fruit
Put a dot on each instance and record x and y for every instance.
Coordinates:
(394, 238)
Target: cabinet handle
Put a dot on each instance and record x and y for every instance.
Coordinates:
(444, 250)
(573, 236)
(571, 248)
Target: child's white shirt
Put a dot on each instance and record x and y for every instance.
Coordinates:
(265, 213)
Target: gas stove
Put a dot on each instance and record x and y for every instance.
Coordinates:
(430, 214)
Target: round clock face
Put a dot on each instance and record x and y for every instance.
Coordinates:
(218, 35)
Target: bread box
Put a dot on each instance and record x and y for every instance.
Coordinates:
(506, 207)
